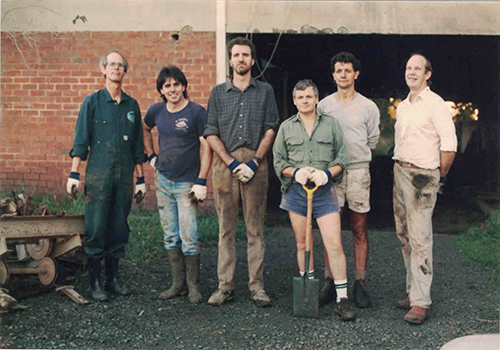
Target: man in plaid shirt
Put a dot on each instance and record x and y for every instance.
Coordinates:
(241, 126)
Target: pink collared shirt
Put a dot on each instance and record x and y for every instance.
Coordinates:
(423, 129)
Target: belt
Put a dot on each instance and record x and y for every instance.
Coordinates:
(407, 164)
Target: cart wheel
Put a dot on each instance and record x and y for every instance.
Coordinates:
(49, 274)
(41, 249)
(4, 273)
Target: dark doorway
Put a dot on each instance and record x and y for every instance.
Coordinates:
(466, 69)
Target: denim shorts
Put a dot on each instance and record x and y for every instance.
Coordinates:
(324, 200)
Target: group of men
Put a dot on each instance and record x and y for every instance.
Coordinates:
(327, 143)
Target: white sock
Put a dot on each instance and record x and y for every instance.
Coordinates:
(341, 289)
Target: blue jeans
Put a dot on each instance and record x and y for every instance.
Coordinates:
(177, 215)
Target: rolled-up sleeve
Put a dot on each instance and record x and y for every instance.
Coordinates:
(280, 154)
(212, 126)
(341, 156)
(272, 117)
(83, 129)
(443, 122)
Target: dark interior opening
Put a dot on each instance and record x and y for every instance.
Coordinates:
(465, 69)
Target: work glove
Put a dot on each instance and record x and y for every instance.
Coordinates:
(320, 177)
(442, 183)
(73, 184)
(245, 171)
(152, 160)
(140, 189)
(302, 175)
(199, 190)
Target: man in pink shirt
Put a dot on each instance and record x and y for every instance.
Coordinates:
(426, 144)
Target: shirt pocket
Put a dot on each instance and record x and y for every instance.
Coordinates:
(324, 148)
(103, 128)
(295, 147)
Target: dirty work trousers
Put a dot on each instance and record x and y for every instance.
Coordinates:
(414, 198)
(177, 215)
(108, 195)
(227, 192)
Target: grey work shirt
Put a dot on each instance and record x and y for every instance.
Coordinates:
(240, 118)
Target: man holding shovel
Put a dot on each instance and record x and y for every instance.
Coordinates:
(309, 147)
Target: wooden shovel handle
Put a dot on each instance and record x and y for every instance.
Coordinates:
(310, 193)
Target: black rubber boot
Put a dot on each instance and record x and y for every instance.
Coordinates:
(361, 297)
(97, 293)
(113, 282)
(178, 269)
(328, 293)
(193, 278)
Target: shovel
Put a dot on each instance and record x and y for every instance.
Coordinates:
(305, 290)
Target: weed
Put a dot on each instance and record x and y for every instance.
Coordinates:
(481, 244)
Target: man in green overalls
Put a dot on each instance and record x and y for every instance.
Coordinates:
(109, 134)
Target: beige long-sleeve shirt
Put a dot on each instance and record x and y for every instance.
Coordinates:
(423, 129)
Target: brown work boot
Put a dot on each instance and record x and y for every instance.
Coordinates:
(221, 296)
(178, 269)
(417, 315)
(361, 297)
(343, 309)
(404, 304)
(260, 298)
(328, 293)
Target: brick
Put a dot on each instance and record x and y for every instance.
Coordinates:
(38, 80)
(63, 87)
(37, 92)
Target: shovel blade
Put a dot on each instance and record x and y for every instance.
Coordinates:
(305, 297)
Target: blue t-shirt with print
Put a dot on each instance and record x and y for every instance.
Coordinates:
(179, 143)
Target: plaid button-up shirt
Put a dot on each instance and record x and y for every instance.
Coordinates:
(240, 118)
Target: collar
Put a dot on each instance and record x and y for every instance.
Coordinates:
(123, 97)
(423, 95)
(296, 118)
(229, 85)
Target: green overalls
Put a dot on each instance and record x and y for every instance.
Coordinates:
(113, 133)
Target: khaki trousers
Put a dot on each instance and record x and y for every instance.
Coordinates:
(227, 193)
(414, 198)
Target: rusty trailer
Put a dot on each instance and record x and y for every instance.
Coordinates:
(31, 245)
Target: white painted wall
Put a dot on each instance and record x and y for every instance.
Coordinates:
(354, 17)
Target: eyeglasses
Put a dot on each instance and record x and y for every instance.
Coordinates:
(115, 64)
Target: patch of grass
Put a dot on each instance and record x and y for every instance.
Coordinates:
(481, 244)
(146, 234)
(58, 204)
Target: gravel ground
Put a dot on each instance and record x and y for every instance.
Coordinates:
(463, 304)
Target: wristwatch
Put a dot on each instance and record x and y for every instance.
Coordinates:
(257, 159)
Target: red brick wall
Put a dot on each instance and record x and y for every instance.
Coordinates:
(46, 76)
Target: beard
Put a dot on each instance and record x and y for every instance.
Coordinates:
(242, 71)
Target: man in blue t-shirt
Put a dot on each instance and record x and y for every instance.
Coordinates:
(181, 166)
